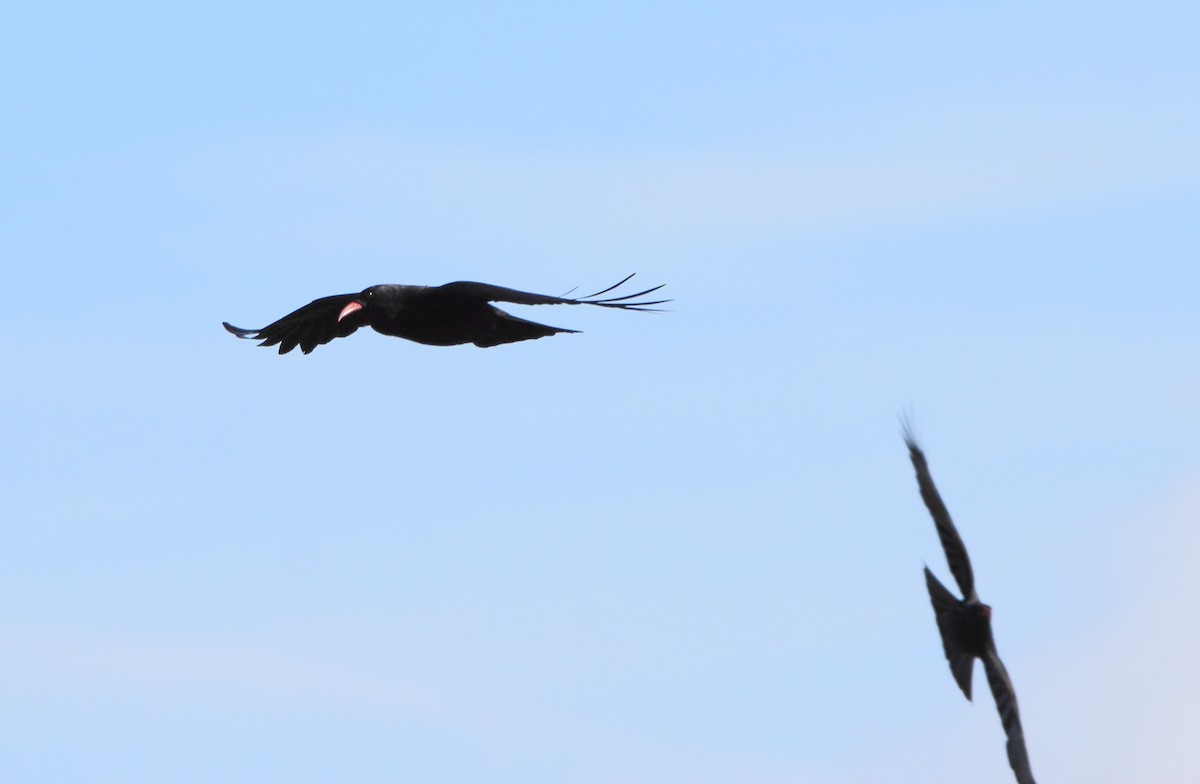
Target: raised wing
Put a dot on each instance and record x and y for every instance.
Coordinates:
(313, 325)
(952, 543)
(490, 293)
(1006, 705)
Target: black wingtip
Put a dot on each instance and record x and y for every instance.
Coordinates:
(618, 284)
(622, 302)
(907, 431)
(247, 334)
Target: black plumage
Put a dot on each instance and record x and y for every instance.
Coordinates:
(966, 624)
(448, 315)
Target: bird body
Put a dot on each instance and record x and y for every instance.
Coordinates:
(965, 625)
(965, 628)
(448, 315)
(439, 317)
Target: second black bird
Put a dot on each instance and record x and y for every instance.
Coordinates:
(966, 624)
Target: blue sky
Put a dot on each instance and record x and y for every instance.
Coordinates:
(682, 547)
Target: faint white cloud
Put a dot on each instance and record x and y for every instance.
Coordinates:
(939, 163)
(204, 674)
(1121, 705)
(205, 670)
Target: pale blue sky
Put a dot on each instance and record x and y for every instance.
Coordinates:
(683, 547)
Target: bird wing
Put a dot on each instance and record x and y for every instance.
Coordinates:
(1006, 705)
(945, 604)
(313, 325)
(952, 543)
(490, 293)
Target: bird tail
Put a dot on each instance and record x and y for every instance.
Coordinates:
(507, 328)
(945, 604)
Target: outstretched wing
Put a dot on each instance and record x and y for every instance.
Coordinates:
(1006, 705)
(952, 543)
(490, 293)
(313, 325)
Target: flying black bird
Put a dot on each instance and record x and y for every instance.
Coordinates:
(446, 315)
(966, 624)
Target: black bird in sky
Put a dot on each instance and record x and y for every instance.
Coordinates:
(966, 624)
(446, 315)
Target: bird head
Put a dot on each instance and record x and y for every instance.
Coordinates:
(386, 298)
(368, 296)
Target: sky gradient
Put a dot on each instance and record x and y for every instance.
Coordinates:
(679, 547)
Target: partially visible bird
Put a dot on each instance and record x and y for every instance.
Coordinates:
(446, 315)
(966, 624)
